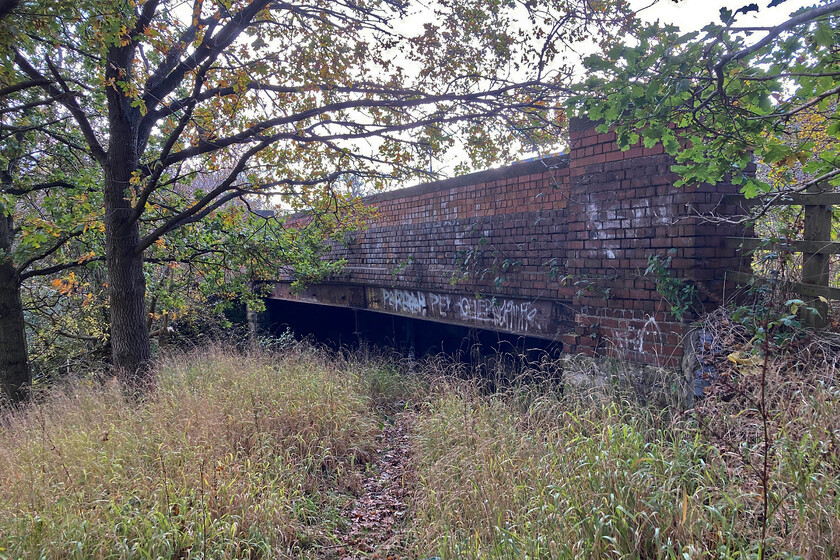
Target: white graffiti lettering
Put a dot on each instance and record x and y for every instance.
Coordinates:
(439, 304)
(503, 314)
(403, 301)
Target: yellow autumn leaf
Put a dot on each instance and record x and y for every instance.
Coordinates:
(744, 359)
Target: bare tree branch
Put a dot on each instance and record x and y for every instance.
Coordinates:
(69, 101)
(61, 267)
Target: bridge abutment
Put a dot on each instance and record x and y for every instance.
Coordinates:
(555, 250)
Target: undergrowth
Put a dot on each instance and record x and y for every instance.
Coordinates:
(563, 476)
(260, 455)
(231, 456)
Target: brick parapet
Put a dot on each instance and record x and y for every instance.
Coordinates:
(578, 230)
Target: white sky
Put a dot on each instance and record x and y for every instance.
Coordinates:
(693, 15)
(688, 15)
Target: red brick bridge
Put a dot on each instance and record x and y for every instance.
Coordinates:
(551, 250)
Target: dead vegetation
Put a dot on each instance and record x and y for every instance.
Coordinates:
(236, 456)
(297, 453)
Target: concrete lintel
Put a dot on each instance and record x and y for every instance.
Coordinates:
(342, 295)
(540, 318)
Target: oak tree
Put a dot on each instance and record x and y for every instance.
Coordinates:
(278, 97)
(50, 218)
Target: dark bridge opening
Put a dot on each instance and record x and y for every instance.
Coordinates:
(346, 327)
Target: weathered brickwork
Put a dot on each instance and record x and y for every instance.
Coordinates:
(623, 208)
(573, 232)
(459, 239)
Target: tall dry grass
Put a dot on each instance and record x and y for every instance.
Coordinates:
(231, 456)
(531, 473)
(257, 456)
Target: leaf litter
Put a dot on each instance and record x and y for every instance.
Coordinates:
(376, 520)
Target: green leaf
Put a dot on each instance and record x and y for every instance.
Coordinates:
(824, 34)
(776, 152)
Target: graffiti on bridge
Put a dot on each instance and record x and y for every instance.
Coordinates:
(489, 312)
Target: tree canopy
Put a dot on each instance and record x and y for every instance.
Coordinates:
(725, 96)
(176, 109)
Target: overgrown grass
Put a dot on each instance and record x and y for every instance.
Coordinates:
(257, 456)
(230, 457)
(548, 476)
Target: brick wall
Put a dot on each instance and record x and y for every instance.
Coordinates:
(576, 230)
(457, 235)
(623, 208)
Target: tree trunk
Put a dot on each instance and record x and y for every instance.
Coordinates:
(131, 349)
(15, 376)
(130, 345)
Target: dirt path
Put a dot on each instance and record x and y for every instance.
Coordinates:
(377, 518)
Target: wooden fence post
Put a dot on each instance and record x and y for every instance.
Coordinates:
(815, 265)
(816, 248)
